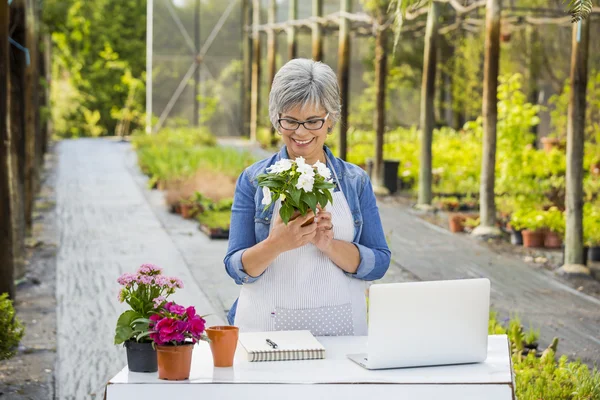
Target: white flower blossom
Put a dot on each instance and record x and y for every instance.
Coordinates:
(322, 170)
(300, 161)
(266, 196)
(306, 169)
(305, 182)
(280, 166)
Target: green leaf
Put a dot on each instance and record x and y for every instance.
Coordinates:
(122, 334)
(286, 212)
(329, 196)
(295, 194)
(270, 184)
(311, 200)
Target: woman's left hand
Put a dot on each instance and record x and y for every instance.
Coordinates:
(324, 235)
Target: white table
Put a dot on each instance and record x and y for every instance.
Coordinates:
(335, 377)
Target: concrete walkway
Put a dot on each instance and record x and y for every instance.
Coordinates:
(106, 227)
(110, 223)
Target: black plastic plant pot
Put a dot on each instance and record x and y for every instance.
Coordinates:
(516, 238)
(594, 253)
(141, 357)
(390, 175)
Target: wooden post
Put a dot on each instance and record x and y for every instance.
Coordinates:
(317, 31)
(535, 65)
(344, 74)
(17, 121)
(255, 70)
(247, 62)
(292, 31)
(196, 116)
(271, 55)
(575, 144)
(7, 155)
(31, 106)
(380, 75)
(487, 203)
(427, 103)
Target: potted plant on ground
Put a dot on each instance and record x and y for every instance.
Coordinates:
(175, 330)
(591, 230)
(531, 223)
(144, 292)
(301, 187)
(516, 226)
(554, 224)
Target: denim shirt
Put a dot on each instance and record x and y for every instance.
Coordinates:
(250, 222)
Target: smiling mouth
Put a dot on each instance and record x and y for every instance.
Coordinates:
(303, 142)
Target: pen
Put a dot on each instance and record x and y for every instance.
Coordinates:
(272, 343)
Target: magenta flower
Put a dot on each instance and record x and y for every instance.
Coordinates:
(176, 309)
(176, 324)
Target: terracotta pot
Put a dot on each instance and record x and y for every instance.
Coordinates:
(223, 342)
(551, 143)
(187, 211)
(296, 214)
(533, 238)
(174, 362)
(456, 223)
(552, 240)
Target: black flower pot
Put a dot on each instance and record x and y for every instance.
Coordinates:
(390, 175)
(141, 357)
(594, 253)
(516, 238)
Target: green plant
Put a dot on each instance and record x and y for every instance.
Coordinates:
(145, 291)
(554, 220)
(11, 329)
(450, 203)
(215, 219)
(532, 335)
(591, 224)
(300, 186)
(527, 219)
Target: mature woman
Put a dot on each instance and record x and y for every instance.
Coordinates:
(311, 277)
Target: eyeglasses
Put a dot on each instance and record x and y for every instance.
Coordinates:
(311, 124)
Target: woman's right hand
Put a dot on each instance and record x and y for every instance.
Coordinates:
(293, 235)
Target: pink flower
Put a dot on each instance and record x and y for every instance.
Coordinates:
(149, 269)
(197, 326)
(144, 280)
(158, 301)
(176, 309)
(162, 281)
(126, 279)
(190, 312)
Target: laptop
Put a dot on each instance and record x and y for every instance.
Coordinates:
(418, 324)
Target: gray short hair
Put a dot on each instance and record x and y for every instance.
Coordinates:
(303, 82)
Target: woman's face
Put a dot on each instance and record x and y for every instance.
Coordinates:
(304, 142)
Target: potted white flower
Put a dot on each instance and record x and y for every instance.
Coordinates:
(301, 187)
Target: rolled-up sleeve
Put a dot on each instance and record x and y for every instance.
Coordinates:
(374, 252)
(241, 231)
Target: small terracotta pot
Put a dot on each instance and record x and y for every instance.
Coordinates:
(174, 362)
(457, 223)
(551, 143)
(552, 240)
(296, 214)
(533, 238)
(223, 342)
(186, 210)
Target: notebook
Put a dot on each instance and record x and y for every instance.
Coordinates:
(290, 345)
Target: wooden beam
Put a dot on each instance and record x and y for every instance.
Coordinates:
(575, 143)
(196, 116)
(7, 262)
(381, 39)
(292, 38)
(487, 203)
(17, 121)
(317, 31)
(344, 74)
(427, 103)
(271, 56)
(31, 108)
(247, 67)
(255, 70)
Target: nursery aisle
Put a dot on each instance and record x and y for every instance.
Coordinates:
(106, 227)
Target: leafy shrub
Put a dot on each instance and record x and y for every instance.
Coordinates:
(11, 330)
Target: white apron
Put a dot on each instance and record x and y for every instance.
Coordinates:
(303, 289)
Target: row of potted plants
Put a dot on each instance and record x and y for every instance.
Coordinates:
(159, 334)
(213, 216)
